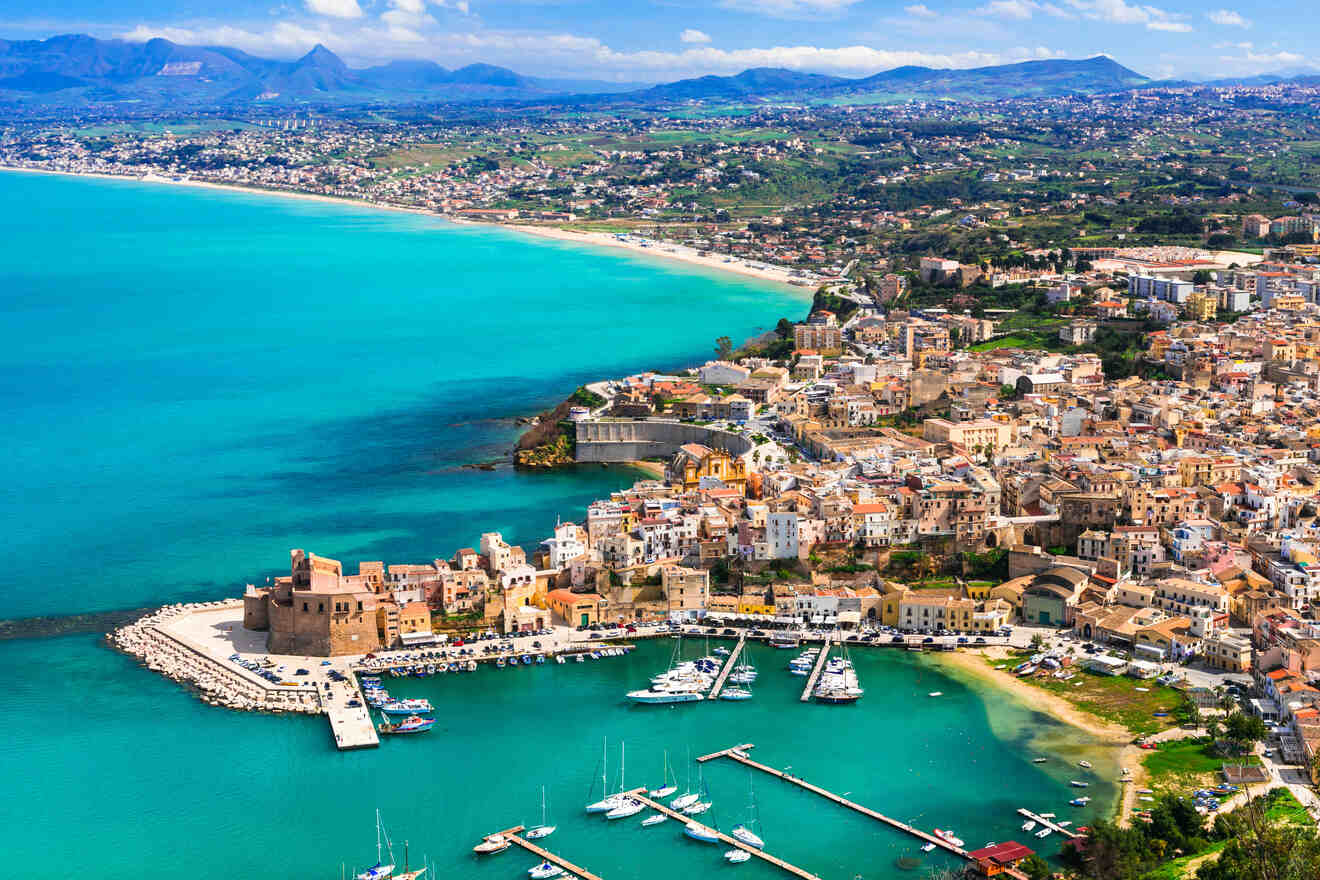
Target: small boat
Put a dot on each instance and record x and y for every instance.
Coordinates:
(1077, 784)
(1039, 760)
(500, 663)
(670, 781)
(697, 809)
(1086, 764)
(738, 753)
(700, 832)
(735, 693)
(578, 658)
(948, 837)
(544, 871)
(1079, 802)
(608, 801)
(407, 707)
(928, 847)
(654, 820)
(411, 724)
(544, 829)
(559, 659)
(494, 844)
(935, 694)
(1044, 832)
(381, 871)
(1064, 824)
(737, 856)
(723, 652)
(683, 801)
(1029, 825)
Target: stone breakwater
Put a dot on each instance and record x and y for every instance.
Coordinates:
(217, 684)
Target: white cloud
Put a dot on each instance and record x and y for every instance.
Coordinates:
(920, 10)
(789, 8)
(1020, 10)
(692, 35)
(1122, 12)
(335, 8)
(1228, 18)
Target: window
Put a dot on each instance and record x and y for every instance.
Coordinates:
(320, 607)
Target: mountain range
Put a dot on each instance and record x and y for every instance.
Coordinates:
(76, 69)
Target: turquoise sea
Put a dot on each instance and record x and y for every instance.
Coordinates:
(196, 381)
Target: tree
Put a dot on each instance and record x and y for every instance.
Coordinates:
(1202, 276)
(1242, 730)
(1261, 849)
(1036, 868)
(784, 328)
(724, 348)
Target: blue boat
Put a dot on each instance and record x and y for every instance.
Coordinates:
(407, 707)
(539, 659)
(527, 660)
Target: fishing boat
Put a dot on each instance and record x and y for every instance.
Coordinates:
(1029, 825)
(737, 856)
(608, 801)
(407, 707)
(654, 819)
(697, 831)
(411, 724)
(1086, 764)
(670, 782)
(496, 843)
(544, 871)
(382, 870)
(544, 829)
(748, 833)
(948, 837)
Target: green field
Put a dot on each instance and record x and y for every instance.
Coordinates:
(1116, 698)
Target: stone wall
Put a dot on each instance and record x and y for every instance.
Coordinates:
(606, 440)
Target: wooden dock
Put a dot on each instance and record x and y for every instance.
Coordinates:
(511, 834)
(640, 794)
(842, 801)
(816, 670)
(729, 663)
(1053, 826)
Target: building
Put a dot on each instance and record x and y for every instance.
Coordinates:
(317, 611)
(575, 609)
(1051, 596)
(1173, 290)
(695, 463)
(934, 270)
(818, 337)
(1227, 652)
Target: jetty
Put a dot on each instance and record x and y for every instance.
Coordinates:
(1053, 826)
(816, 670)
(729, 663)
(789, 867)
(352, 727)
(512, 835)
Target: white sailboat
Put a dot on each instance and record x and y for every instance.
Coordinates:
(688, 797)
(608, 801)
(625, 806)
(544, 829)
(381, 870)
(670, 783)
(749, 833)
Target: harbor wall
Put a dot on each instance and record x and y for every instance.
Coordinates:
(618, 440)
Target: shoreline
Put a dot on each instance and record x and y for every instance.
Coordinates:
(974, 664)
(671, 253)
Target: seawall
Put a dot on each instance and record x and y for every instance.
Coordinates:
(621, 440)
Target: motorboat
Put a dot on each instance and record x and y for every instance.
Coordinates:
(1044, 832)
(1029, 825)
(407, 707)
(735, 693)
(494, 844)
(1086, 764)
(544, 871)
(935, 694)
(1039, 760)
(948, 837)
(697, 831)
(737, 856)
(655, 819)
(411, 724)
(928, 847)
(1078, 784)
(1080, 802)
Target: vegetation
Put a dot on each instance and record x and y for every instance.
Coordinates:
(1116, 698)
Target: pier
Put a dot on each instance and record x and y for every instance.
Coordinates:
(1053, 826)
(352, 727)
(729, 663)
(511, 835)
(789, 867)
(839, 799)
(816, 670)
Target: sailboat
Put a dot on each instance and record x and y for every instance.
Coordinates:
(748, 833)
(407, 874)
(627, 806)
(544, 829)
(688, 797)
(699, 806)
(668, 787)
(381, 871)
(608, 801)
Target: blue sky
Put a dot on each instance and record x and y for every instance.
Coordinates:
(653, 40)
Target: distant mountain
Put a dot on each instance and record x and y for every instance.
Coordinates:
(77, 69)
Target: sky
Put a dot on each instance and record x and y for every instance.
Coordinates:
(660, 40)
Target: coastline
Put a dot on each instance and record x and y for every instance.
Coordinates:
(974, 664)
(672, 253)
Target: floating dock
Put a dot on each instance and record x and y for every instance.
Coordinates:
(816, 670)
(1053, 826)
(729, 663)
(640, 794)
(511, 835)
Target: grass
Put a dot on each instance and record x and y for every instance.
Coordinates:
(1116, 698)
(1188, 764)
(1185, 867)
(1286, 809)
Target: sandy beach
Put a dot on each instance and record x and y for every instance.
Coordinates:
(1129, 756)
(654, 468)
(660, 250)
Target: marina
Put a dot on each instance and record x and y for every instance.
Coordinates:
(816, 671)
(1046, 823)
(729, 663)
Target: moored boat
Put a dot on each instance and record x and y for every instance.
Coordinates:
(493, 844)
(948, 837)
(700, 832)
(411, 724)
(655, 819)
(544, 871)
(737, 856)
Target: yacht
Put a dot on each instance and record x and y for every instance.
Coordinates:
(654, 820)
(544, 829)
(735, 693)
(747, 833)
(1029, 825)
(381, 870)
(948, 837)
(629, 807)
(609, 801)
(544, 871)
(494, 844)
(670, 782)
(697, 808)
(737, 856)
